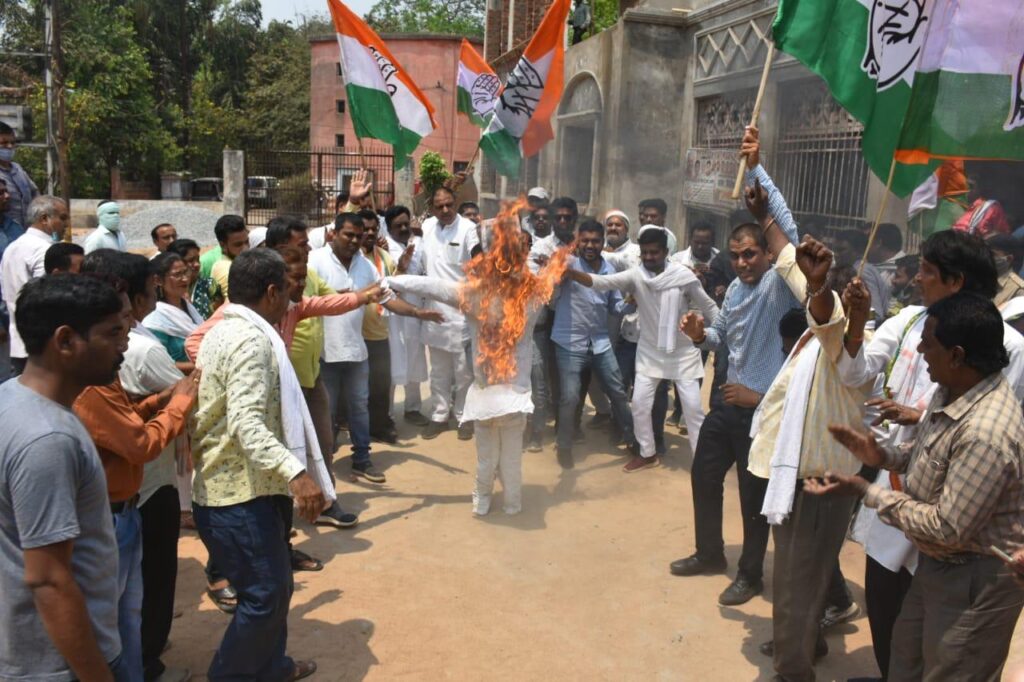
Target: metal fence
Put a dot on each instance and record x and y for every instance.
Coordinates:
(305, 182)
(819, 157)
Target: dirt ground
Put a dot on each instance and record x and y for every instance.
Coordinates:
(576, 587)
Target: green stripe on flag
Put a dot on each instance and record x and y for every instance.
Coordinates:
(466, 107)
(503, 151)
(373, 115)
(962, 114)
(830, 38)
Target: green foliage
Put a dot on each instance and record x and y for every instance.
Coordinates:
(455, 17)
(433, 172)
(606, 14)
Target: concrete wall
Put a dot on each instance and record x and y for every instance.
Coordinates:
(431, 61)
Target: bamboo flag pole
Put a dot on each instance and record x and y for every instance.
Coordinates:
(878, 218)
(754, 115)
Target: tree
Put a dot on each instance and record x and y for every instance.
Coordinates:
(455, 17)
(276, 100)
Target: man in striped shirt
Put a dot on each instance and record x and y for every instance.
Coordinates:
(745, 328)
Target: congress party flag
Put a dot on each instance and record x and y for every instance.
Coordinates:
(383, 101)
(478, 86)
(521, 123)
(929, 79)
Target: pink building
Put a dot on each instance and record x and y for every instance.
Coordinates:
(431, 60)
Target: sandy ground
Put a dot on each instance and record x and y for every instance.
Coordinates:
(575, 588)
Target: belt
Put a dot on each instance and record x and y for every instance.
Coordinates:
(131, 503)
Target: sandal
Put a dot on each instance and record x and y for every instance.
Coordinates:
(302, 669)
(303, 562)
(225, 598)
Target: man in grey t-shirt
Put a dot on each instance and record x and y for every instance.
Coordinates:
(58, 613)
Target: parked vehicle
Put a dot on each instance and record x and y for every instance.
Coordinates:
(261, 190)
(208, 189)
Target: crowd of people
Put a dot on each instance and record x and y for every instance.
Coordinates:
(860, 392)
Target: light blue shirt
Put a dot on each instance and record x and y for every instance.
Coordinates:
(748, 324)
(581, 313)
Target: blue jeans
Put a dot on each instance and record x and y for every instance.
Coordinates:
(625, 353)
(605, 368)
(249, 542)
(350, 381)
(128, 531)
(539, 382)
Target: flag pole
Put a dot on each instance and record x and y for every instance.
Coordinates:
(878, 218)
(754, 115)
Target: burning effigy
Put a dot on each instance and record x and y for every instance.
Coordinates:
(501, 298)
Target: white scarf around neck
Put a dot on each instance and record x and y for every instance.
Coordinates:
(172, 320)
(299, 434)
(669, 285)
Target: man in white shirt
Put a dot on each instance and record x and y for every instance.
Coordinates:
(346, 371)
(408, 355)
(108, 234)
(447, 245)
(701, 249)
(24, 259)
(664, 292)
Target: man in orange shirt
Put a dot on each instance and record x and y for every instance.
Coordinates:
(127, 435)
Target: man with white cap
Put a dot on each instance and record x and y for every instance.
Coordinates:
(536, 197)
(107, 234)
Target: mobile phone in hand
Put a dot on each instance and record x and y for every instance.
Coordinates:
(1002, 555)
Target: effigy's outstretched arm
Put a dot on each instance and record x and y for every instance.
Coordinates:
(433, 288)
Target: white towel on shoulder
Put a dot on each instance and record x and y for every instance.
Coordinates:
(785, 464)
(669, 283)
(299, 434)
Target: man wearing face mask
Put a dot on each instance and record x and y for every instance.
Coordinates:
(19, 185)
(25, 258)
(108, 234)
(1006, 252)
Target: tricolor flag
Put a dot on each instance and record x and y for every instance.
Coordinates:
(521, 124)
(383, 101)
(478, 86)
(929, 79)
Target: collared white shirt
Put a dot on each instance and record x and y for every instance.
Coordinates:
(343, 334)
(445, 250)
(102, 238)
(685, 257)
(318, 236)
(22, 261)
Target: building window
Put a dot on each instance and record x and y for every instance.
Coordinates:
(339, 140)
(460, 166)
(340, 104)
(340, 72)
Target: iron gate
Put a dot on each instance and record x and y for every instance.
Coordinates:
(305, 182)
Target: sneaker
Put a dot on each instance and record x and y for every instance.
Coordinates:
(836, 616)
(466, 431)
(416, 419)
(740, 591)
(599, 421)
(335, 516)
(534, 445)
(434, 429)
(174, 675)
(368, 472)
(637, 463)
(565, 458)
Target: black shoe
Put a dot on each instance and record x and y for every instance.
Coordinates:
(466, 431)
(389, 436)
(695, 565)
(820, 648)
(740, 592)
(416, 419)
(534, 445)
(565, 458)
(673, 419)
(599, 421)
(434, 429)
(334, 516)
(368, 472)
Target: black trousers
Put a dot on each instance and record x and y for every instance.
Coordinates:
(723, 442)
(379, 403)
(161, 521)
(883, 595)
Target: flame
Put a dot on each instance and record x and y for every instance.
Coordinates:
(500, 290)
